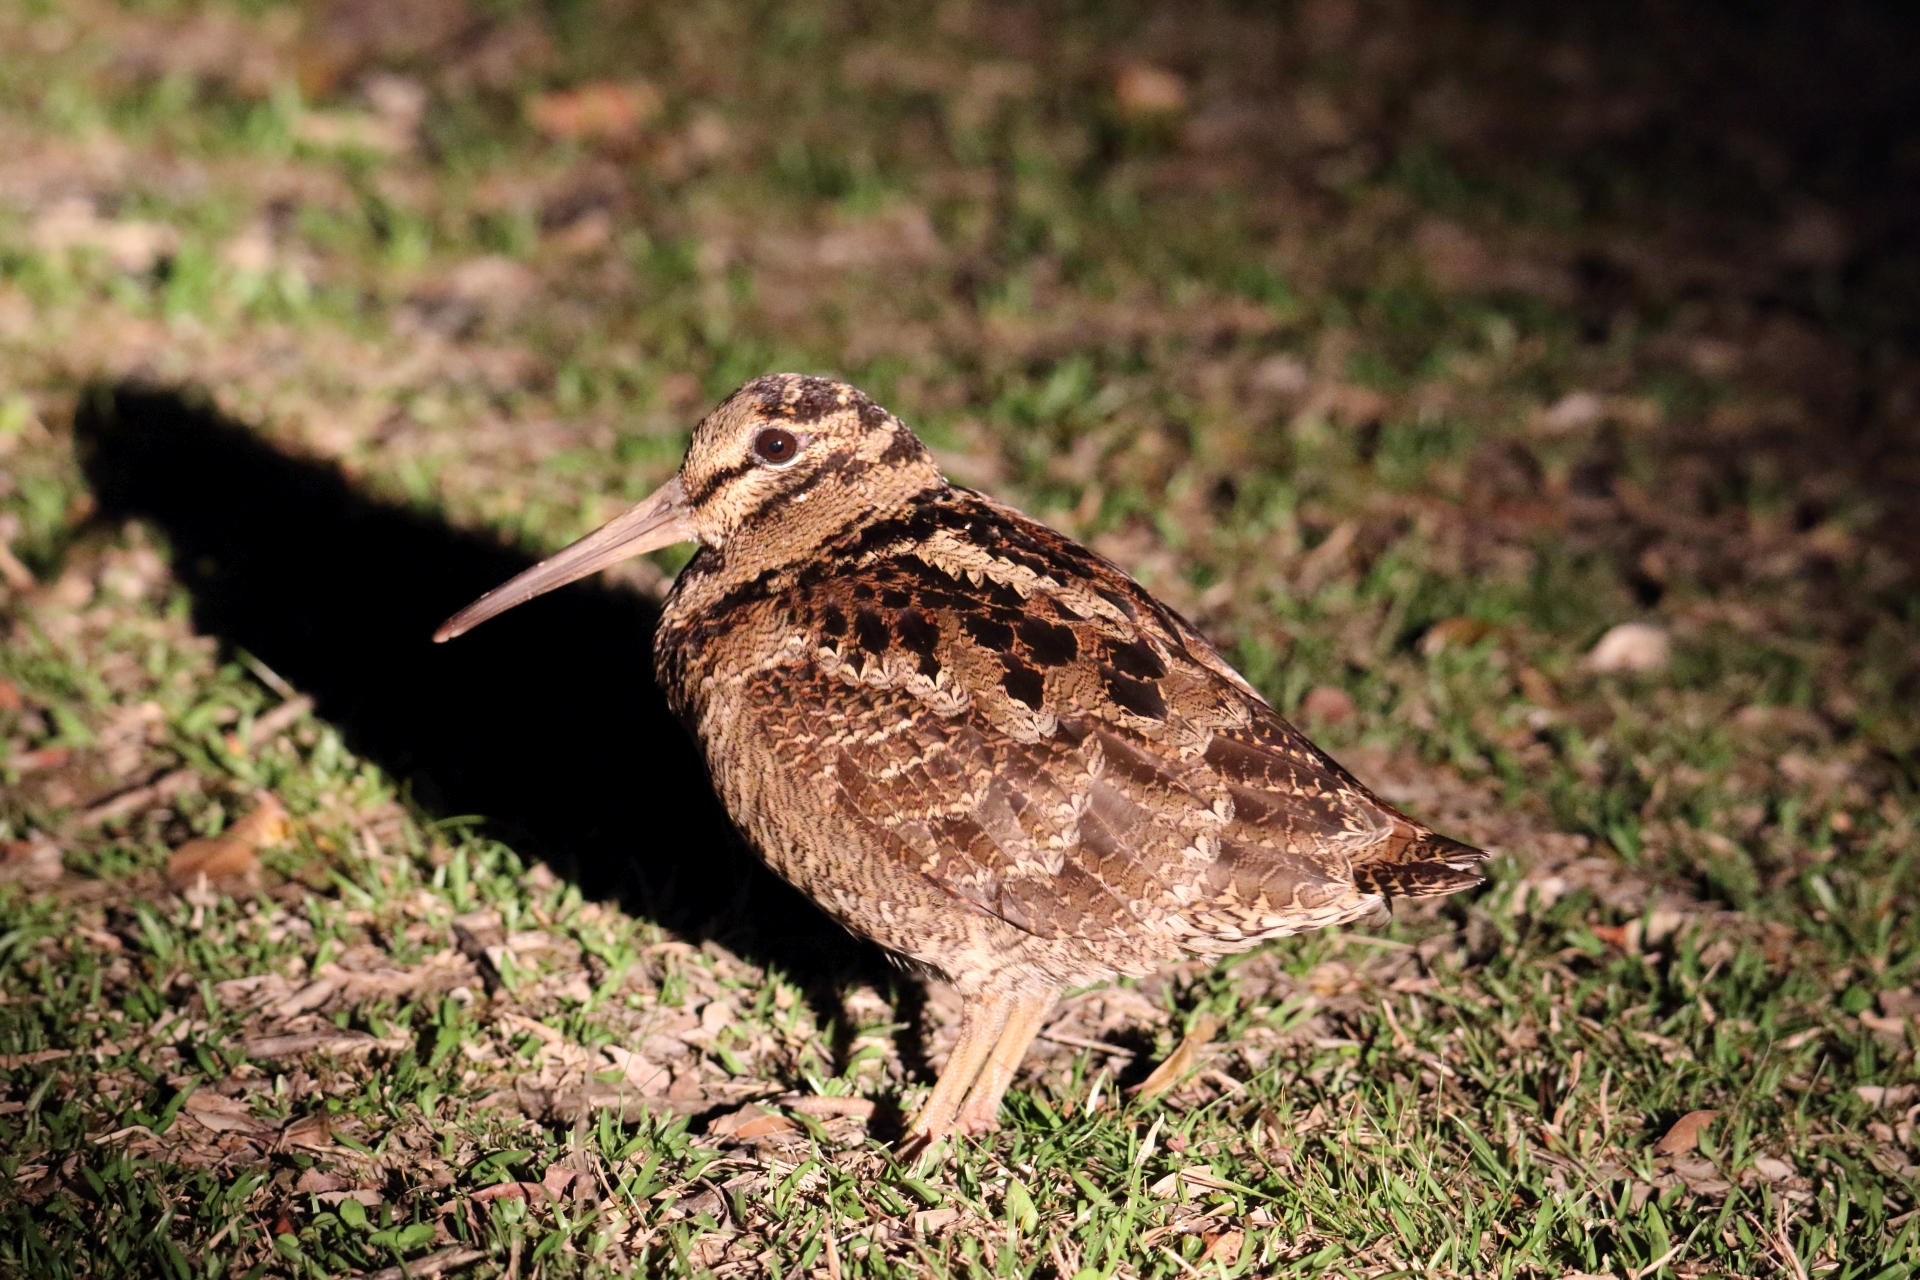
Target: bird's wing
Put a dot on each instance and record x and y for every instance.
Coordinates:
(1046, 741)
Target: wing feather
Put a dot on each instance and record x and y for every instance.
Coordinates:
(1053, 746)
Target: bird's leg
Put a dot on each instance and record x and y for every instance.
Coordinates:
(980, 1112)
(982, 1018)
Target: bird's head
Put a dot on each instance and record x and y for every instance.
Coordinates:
(784, 464)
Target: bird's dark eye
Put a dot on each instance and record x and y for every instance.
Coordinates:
(775, 445)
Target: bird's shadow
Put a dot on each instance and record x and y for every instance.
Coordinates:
(545, 721)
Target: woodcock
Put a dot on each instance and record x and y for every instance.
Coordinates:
(971, 739)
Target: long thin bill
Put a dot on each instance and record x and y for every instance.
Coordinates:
(660, 521)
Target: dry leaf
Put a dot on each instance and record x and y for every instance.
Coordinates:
(37, 859)
(1631, 646)
(1224, 1248)
(750, 1122)
(235, 852)
(1624, 936)
(352, 131)
(340, 1043)
(600, 109)
(44, 758)
(814, 1105)
(1143, 90)
(222, 1114)
(313, 1182)
(929, 1221)
(1454, 633)
(1900, 1002)
(559, 1178)
(1880, 1095)
(532, 1192)
(1180, 1061)
(1685, 1134)
(308, 1131)
(649, 1079)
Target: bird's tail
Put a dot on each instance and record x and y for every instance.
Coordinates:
(1416, 863)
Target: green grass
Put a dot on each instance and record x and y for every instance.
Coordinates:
(1336, 370)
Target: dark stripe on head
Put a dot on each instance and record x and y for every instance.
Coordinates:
(800, 399)
(841, 464)
(718, 478)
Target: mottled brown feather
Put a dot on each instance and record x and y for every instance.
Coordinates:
(974, 740)
(984, 745)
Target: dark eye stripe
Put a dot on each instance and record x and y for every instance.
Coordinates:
(717, 479)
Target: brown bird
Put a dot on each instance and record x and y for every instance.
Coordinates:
(971, 739)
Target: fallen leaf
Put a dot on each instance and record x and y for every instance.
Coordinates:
(10, 699)
(128, 244)
(15, 1061)
(532, 1192)
(434, 1264)
(559, 1179)
(815, 1105)
(341, 1043)
(750, 1122)
(1181, 1061)
(1185, 1180)
(1631, 646)
(1143, 91)
(44, 758)
(609, 109)
(1900, 1002)
(1685, 1134)
(267, 825)
(308, 1131)
(1880, 1095)
(1624, 936)
(1454, 633)
(1537, 689)
(222, 1114)
(32, 860)
(1773, 1170)
(1573, 411)
(928, 1221)
(313, 1182)
(1224, 1248)
(235, 852)
(648, 1078)
(352, 131)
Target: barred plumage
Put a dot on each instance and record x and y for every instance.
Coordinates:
(975, 741)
